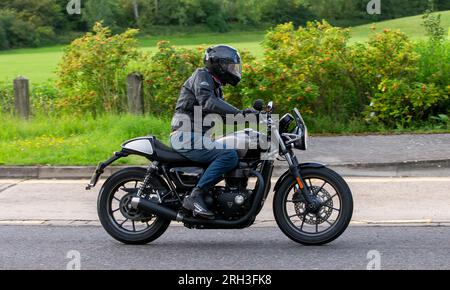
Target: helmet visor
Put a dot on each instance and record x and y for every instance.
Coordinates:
(235, 69)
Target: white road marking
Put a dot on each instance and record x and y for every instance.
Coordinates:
(348, 179)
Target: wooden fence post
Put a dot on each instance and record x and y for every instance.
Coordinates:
(22, 97)
(135, 94)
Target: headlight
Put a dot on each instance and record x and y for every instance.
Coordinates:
(302, 130)
(302, 142)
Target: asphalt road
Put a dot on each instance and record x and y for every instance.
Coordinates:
(56, 247)
(376, 200)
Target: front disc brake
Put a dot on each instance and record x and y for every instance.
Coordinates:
(324, 211)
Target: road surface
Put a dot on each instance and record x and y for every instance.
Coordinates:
(395, 247)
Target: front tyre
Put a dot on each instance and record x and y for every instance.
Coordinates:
(323, 225)
(123, 223)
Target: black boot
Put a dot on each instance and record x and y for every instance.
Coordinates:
(195, 203)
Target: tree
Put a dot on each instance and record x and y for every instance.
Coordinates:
(106, 11)
(136, 9)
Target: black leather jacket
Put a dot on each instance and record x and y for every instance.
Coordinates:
(201, 90)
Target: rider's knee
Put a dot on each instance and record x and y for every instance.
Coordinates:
(233, 158)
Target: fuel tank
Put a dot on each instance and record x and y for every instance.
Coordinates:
(245, 141)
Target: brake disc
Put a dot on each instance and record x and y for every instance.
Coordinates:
(324, 211)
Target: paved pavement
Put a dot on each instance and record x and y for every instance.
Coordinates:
(378, 148)
(25, 247)
(376, 200)
(373, 155)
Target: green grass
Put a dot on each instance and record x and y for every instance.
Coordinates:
(70, 141)
(409, 25)
(39, 64)
(87, 141)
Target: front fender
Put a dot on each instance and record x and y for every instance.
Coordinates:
(300, 166)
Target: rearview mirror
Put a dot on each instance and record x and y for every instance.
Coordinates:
(270, 106)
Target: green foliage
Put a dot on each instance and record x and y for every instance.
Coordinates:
(351, 12)
(16, 32)
(28, 22)
(434, 62)
(414, 78)
(312, 69)
(44, 98)
(92, 71)
(399, 103)
(6, 98)
(105, 11)
(65, 140)
(432, 23)
(164, 74)
(389, 81)
(443, 121)
(387, 55)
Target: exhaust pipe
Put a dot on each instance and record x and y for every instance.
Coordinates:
(154, 208)
(170, 214)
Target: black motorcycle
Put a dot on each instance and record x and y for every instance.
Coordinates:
(312, 204)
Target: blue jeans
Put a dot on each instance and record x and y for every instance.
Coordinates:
(221, 160)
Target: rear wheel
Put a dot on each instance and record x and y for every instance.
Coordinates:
(122, 222)
(322, 225)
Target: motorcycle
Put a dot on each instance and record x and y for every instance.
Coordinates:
(312, 204)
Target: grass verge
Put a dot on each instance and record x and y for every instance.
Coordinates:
(67, 140)
(71, 141)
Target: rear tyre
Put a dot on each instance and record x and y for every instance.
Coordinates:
(121, 222)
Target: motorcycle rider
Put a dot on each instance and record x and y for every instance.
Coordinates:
(204, 89)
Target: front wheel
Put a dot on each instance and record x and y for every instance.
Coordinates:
(322, 225)
(122, 222)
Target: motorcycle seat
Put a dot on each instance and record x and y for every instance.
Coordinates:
(167, 154)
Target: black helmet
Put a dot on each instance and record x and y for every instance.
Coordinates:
(224, 62)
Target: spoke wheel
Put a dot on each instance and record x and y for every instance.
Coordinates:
(321, 224)
(118, 218)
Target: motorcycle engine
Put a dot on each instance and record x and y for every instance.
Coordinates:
(232, 201)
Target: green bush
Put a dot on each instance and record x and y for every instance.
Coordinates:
(44, 98)
(92, 72)
(389, 81)
(387, 55)
(399, 103)
(164, 73)
(311, 67)
(434, 62)
(6, 98)
(412, 79)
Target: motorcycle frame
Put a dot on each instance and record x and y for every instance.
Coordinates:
(264, 175)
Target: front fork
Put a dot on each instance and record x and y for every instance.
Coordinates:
(313, 203)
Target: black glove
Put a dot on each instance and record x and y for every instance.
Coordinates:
(248, 111)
